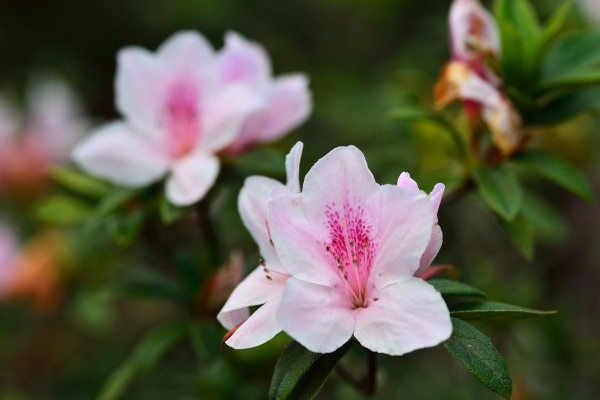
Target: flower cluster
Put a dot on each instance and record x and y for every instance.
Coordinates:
(184, 104)
(30, 142)
(474, 39)
(340, 259)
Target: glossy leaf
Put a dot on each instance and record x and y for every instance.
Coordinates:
(574, 59)
(79, 182)
(477, 353)
(522, 235)
(63, 211)
(300, 374)
(500, 190)
(494, 310)
(414, 112)
(558, 171)
(449, 287)
(145, 355)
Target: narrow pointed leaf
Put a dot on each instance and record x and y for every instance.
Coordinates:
(145, 355)
(79, 182)
(558, 171)
(449, 287)
(500, 190)
(494, 310)
(522, 234)
(477, 353)
(300, 374)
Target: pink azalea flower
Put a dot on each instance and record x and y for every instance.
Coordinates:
(460, 82)
(264, 286)
(31, 142)
(473, 34)
(352, 248)
(177, 116)
(8, 252)
(435, 242)
(288, 98)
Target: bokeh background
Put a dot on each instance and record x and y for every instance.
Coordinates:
(363, 58)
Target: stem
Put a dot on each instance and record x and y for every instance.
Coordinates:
(209, 233)
(368, 384)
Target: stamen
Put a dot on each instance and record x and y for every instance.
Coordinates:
(351, 248)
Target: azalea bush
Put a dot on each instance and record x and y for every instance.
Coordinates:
(259, 213)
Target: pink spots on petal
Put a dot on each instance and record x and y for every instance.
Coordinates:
(351, 249)
(182, 118)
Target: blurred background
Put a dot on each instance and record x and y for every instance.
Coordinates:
(363, 58)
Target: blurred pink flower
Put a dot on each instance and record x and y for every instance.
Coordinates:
(8, 252)
(591, 10)
(352, 247)
(43, 135)
(31, 273)
(288, 98)
(184, 104)
(473, 35)
(264, 286)
(435, 242)
(460, 82)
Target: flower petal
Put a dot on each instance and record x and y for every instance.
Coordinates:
(188, 52)
(288, 106)
(404, 223)
(115, 153)
(299, 244)
(253, 201)
(244, 61)
(436, 196)
(473, 30)
(292, 167)
(405, 181)
(139, 84)
(191, 178)
(342, 175)
(433, 248)
(224, 114)
(259, 328)
(316, 316)
(255, 289)
(407, 316)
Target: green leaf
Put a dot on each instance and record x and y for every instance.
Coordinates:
(521, 41)
(114, 200)
(494, 310)
(574, 59)
(548, 223)
(522, 235)
(170, 213)
(556, 21)
(414, 112)
(263, 161)
(145, 355)
(500, 190)
(300, 374)
(63, 211)
(79, 182)
(558, 171)
(205, 338)
(477, 353)
(449, 287)
(565, 107)
(125, 227)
